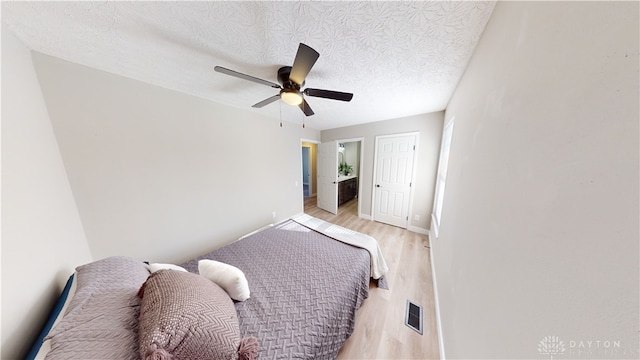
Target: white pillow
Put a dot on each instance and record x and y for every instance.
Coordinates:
(228, 277)
(158, 266)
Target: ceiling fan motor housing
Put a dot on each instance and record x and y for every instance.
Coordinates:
(283, 79)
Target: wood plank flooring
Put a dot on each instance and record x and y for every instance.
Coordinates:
(380, 332)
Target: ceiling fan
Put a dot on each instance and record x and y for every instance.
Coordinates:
(291, 79)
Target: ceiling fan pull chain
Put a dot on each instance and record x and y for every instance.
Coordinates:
(281, 114)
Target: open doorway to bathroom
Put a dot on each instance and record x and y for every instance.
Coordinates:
(349, 166)
(335, 189)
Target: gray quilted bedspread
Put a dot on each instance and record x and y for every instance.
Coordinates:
(101, 321)
(305, 290)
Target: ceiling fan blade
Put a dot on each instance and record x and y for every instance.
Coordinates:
(329, 94)
(267, 101)
(306, 109)
(226, 71)
(305, 58)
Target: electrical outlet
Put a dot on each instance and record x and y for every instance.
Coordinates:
(417, 217)
(273, 214)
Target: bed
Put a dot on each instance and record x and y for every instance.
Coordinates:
(306, 277)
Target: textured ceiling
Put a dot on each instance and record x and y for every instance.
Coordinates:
(398, 58)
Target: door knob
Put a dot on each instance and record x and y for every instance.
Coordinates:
(377, 185)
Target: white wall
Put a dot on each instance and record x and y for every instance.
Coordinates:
(42, 236)
(539, 233)
(430, 128)
(164, 176)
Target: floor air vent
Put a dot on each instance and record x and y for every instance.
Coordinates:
(413, 317)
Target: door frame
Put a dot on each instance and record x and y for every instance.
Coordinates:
(413, 173)
(360, 166)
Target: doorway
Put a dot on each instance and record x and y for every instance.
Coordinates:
(306, 172)
(339, 175)
(309, 150)
(348, 172)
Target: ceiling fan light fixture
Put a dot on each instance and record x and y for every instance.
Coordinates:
(291, 97)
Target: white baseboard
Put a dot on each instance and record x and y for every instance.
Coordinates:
(437, 305)
(415, 229)
(418, 230)
(366, 217)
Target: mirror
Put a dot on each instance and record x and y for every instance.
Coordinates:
(340, 156)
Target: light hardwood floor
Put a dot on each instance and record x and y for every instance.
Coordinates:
(380, 332)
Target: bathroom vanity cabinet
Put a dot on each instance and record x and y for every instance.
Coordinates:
(347, 188)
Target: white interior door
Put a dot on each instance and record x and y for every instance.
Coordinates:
(328, 176)
(394, 171)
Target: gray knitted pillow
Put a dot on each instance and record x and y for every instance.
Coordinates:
(186, 316)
